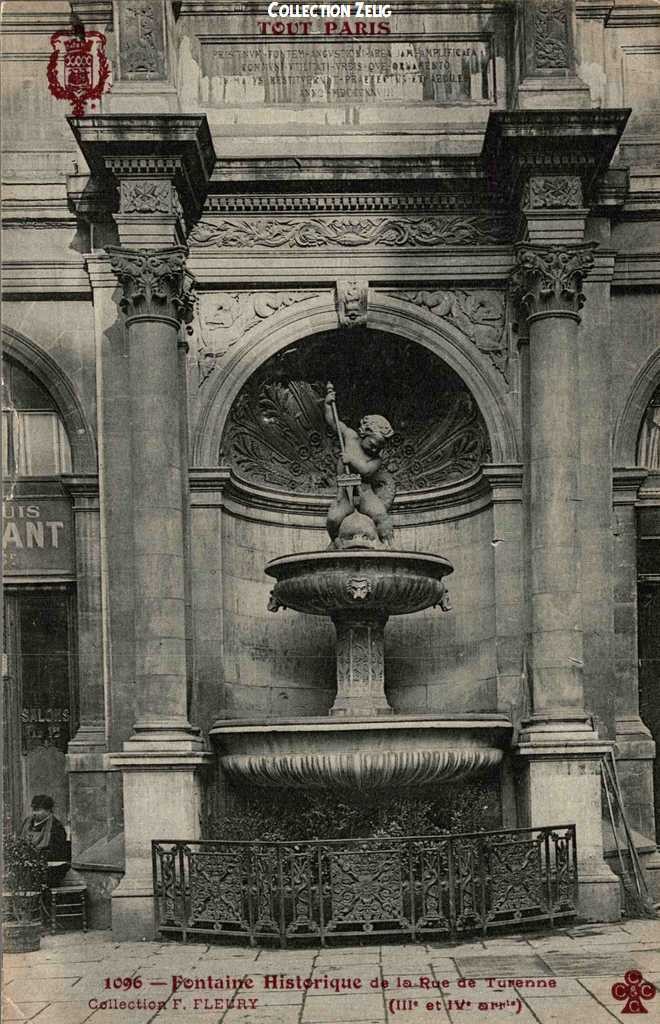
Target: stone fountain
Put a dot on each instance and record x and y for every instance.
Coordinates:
(359, 582)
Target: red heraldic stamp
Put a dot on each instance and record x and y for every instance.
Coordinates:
(78, 69)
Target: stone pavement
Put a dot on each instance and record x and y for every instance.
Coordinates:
(554, 977)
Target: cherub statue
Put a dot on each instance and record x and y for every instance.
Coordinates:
(360, 515)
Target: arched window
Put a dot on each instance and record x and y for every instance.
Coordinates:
(648, 446)
(34, 440)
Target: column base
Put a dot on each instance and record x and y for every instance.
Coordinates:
(164, 735)
(561, 785)
(162, 800)
(599, 894)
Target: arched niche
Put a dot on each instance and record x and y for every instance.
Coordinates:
(629, 423)
(37, 362)
(277, 437)
(386, 314)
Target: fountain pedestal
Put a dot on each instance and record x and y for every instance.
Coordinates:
(359, 590)
(360, 665)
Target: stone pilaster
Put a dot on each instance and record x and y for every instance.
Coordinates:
(634, 743)
(561, 752)
(546, 38)
(161, 761)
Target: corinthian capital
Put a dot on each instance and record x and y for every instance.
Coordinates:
(548, 278)
(153, 281)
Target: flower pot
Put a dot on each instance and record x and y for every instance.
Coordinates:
(21, 936)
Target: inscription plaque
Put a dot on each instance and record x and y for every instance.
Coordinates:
(435, 71)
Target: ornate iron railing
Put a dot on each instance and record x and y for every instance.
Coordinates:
(418, 885)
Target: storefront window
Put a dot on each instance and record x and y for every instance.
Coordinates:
(39, 676)
(34, 440)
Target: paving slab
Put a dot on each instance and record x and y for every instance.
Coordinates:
(20, 1011)
(584, 971)
(578, 965)
(511, 966)
(567, 1010)
(48, 990)
(336, 1010)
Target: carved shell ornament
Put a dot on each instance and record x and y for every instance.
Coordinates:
(276, 435)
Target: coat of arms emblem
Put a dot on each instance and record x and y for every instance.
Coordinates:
(78, 69)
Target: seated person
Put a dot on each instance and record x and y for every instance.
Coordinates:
(47, 834)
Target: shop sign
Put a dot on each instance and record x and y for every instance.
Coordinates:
(37, 536)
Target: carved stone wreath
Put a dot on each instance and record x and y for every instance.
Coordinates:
(276, 434)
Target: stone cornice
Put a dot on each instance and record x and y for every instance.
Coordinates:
(523, 143)
(219, 487)
(626, 482)
(238, 203)
(177, 147)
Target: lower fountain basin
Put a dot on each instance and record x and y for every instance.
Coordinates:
(331, 582)
(359, 753)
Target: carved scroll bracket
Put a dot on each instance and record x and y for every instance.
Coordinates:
(547, 280)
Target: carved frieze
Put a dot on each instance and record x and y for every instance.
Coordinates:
(551, 34)
(350, 232)
(555, 191)
(141, 25)
(146, 196)
(352, 301)
(152, 281)
(549, 278)
(227, 317)
(276, 435)
(479, 314)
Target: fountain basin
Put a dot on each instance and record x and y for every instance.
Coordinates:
(331, 582)
(359, 590)
(359, 753)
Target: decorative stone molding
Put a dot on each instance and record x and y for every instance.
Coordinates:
(555, 191)
(354, 754)
(364, 770)
(352, 232)
(548, 279)
(346, 203)
(480, 315)
(152, 282)
(352, 301)
(229, 316)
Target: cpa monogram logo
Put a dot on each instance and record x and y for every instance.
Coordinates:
(634, 990)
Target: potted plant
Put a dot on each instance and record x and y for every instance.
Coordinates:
(24, 882)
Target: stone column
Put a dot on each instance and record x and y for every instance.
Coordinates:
(161, 761)
(560, 750)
